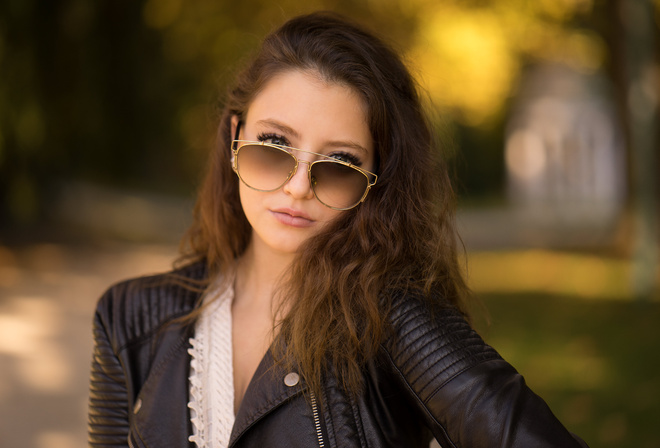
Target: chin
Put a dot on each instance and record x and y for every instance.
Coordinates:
(284, 244)
(287, 248)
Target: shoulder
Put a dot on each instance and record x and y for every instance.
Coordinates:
(460, 383)
(413, 312)
(137, 307)
(430, 340)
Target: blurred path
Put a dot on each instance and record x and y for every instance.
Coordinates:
(47, 298)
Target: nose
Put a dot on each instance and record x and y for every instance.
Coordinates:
(298, 186)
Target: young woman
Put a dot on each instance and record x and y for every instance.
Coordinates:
(320, 302)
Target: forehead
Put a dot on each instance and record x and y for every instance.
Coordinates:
(311, 105)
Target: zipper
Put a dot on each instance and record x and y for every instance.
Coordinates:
(317, 420)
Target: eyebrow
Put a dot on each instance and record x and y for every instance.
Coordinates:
(332, 143)
(282, 127)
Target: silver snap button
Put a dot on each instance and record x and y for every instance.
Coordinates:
(291, 379)
(138, 405)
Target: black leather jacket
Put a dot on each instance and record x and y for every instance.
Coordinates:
(434, 376)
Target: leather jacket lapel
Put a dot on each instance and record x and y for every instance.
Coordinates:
(160, 415)
(270, 386)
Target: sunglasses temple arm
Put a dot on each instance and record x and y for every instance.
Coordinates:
(238, 133)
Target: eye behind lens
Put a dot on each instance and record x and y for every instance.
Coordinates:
(337, 185)
(264, 167)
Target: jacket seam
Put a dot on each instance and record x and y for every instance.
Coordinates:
(358, 421)
(137, 435)
(176, 347)
(418, 399)
(328, 416)
(444, 356)
(447, 367)
(148, 335)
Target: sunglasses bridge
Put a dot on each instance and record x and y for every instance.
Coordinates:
(312, 181)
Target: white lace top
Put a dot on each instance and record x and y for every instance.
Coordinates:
(211, 373)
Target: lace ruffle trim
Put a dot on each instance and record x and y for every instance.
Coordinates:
(196, 396)
(211, 375)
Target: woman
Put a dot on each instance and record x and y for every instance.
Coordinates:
(320, 302)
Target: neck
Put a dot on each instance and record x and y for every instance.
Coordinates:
(258, 273)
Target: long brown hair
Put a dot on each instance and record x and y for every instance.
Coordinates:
(402, 238)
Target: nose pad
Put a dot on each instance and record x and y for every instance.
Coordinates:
(299, 184)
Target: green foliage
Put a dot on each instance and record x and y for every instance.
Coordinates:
(126, 93)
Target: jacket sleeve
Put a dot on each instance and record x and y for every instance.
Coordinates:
(107, 420)
(467, 394)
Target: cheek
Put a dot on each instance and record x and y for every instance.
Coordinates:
(249, 200)
(327, 215)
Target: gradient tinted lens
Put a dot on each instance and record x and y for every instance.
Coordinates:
(267, 168)
(264, 167)
(338, 185)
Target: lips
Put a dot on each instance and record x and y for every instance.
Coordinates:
(293, 218)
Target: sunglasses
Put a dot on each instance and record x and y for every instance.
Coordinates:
(267, 167)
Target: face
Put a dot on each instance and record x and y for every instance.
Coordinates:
(300, 110)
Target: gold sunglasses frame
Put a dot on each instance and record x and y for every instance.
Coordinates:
(238, 144)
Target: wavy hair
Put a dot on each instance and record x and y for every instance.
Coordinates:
(402, 238)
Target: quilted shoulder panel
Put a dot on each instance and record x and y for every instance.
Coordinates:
(134, 309)
(431, 343)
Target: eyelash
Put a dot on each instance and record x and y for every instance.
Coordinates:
(283, 141)
(346, 157)
(268, 137)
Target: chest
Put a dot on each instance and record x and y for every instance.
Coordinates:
(251, 337)
(274, 413)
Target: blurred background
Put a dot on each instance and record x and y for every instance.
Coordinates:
(547, 111)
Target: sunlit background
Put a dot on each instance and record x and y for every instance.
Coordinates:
(547, 111)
